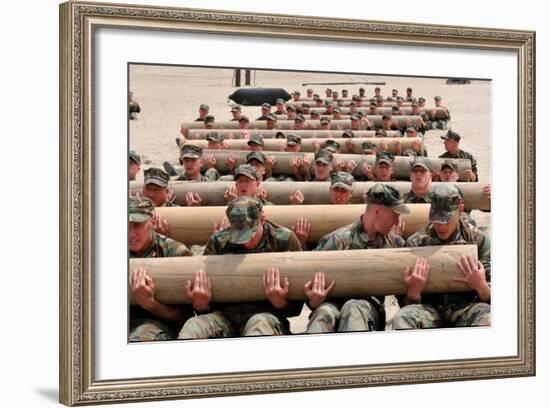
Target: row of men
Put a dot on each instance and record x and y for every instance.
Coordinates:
(329, 93)
(248, 231)
(358, 118)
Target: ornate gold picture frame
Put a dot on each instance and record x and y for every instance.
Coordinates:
(79, 24)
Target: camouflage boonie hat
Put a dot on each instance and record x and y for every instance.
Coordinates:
(246, 170)
(191, 151)
(293, 139)
(444, 201)
(347, 133)
(324, 119)
(156, 176)
(332, 145)
(215, 137)
(422, 162)
(257, 139)
(134, 157)
(450, 164)
(244, 215)
(236, 108)
(451, 135)
(140, 209)
(388, 196)
(209, 118)
(205, 107)
(368, 147)
(342, 179)
(324, 156)
(384, 157)
(255, 156)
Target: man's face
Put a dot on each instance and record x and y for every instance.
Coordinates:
(299, 125)
(156, 193)
(319, 103)
(296, 97)
(355, 124)
(380, 103)
(133, 170)
(265, 111)
(271, 124)
(336, 115)
(386, 123)
(215, 145)
(352, 109)
(339, 195)
(451, 146)
(410, 133)
(192, 166)
(280, 107)
(325, 125)
(415, 109)
(409, 92)
(322, 170)
(372, 110)
(254, 147)
(383, 171)
(394, 92)
(294, 148)
(448, 174)
(445, 231)
(420, 178)
(203, 113)
(437, 102)
(141, 234)
(330, 108)
(260, 168)
(246, 186)
(377, 91)
(291, 114)
(243, 124)
(236, 114)
(386, 218)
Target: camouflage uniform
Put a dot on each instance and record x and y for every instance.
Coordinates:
(144, 326)
(452, 309)
(195, 152)
(441, 123)
(160, 178)
(204, 107)
(251, 318)
(357, 314)
(250, 172)
(460, 154)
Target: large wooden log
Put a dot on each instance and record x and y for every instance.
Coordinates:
(308, 145)
(270, 134)
(314, 192)
(402, 121)
(401, 164)
(193, 225)
(358, 273)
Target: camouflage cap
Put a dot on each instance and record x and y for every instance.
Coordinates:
(316, 96)
(421, 99)
(335, 92)
(328, 90)
(191, 151)
(337, 109)
(386, 117)
(332, 145)
(246, 170)
(355, 116)
(372, 105)
(342, 179)
(236, 108)
(266, 105)
(291, 108)
(215, 137)
(156, 176)
(140, 209)
(271, 116)
(409, 89)
(388, 196)
(323, 156)
(347, 133)
(368, 147)
(437, 98)
(309, 90)
(255, 156)
(293, 139)
(244, 215)
(209, 119)
(422, 162)
(280, 100)
(257, 139)
(299, 118)
(324, 119)
(314, 114)
(244, 118)
(384, 157)
(296, 92)
(411, 129)
(361, 89)
(305, 105)
(205, 107)
(449, 164)
(451, 135)
(134, 157)
(355, 98)
(352, 103)
(444, 201)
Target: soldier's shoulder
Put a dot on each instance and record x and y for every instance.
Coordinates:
(419, 238)
(278, 231)
(171, 247)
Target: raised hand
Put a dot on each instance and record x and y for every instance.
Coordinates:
(415, 279)
(296, 198)
(302, 229)
(143, 288)
(275, 292)
(200, 291)
(193, 199)
(316, 291)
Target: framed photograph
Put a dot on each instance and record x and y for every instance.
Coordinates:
(133, 81)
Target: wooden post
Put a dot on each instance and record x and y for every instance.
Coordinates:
(357, 273)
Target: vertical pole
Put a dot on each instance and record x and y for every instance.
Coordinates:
(247, 77)
(237, 77)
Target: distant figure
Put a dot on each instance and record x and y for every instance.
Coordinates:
(203, 111)
(133, 106)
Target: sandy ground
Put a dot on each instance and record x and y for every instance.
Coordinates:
(171, 95)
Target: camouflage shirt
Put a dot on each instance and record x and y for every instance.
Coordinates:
(461, 154)
(275, 239)
(169, 204)
(466, 234)
(162, 247)
(204, 177)
(412, 198)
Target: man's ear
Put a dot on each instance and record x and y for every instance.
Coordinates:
(461, 206)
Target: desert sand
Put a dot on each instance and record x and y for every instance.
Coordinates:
(171, 95)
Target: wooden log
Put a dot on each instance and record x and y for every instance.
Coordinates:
(193, 225)
(402, 121)
(270, 134)
(401, 164)
(308, 145)
(314, 192)
(357, 273)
